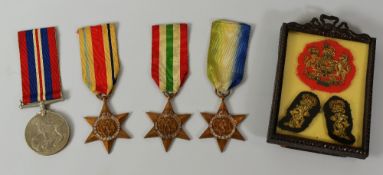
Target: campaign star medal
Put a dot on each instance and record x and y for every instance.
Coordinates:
(100, 68)
(47, 132)
(222, 125)
(226, 61)
(169, 71)
(106, 127)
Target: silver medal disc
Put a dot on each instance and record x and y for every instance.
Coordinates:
(47, 134)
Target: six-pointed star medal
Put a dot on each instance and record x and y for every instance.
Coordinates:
(222, 126)
(106, 127)
(168, 125)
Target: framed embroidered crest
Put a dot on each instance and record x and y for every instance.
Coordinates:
(323, 88)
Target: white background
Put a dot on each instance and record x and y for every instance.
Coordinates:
(137, 93)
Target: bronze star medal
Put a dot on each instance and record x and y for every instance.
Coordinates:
(169, 70)
(225, 71)
(101, 42)
(168, 125)
(106, 127)
(222, 126)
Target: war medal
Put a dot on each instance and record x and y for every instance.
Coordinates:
(47, 132)
(169, 71)
(226, 60)
(100, 68)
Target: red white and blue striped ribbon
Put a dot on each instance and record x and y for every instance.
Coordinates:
(40, 73)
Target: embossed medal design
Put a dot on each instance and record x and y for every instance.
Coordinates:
(222, 126)
(106, 127)
(168, 125)
(46, 133)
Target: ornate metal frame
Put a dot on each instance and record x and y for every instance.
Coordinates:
(328, 26)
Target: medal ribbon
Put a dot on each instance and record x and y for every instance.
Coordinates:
(227, 54)
(99, 57)
(40, 75)
(170, 56)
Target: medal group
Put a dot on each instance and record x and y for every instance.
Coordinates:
(47, 133)
(322, 92)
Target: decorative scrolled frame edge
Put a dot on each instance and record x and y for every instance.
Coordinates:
(329, 26)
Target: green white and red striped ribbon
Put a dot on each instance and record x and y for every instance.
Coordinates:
(170, 56)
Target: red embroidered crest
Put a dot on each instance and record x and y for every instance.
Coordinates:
(326, 65)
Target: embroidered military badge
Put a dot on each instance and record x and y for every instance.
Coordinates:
(301, 112)
(339, 120)
(326, 65)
